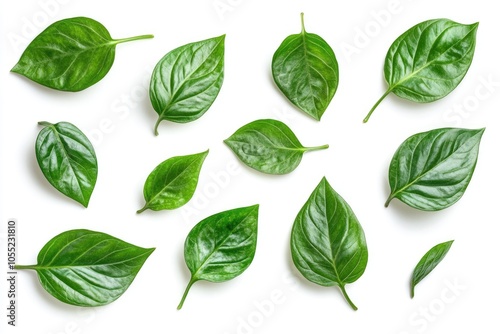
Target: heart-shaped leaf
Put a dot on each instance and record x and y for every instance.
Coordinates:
(70, 55)
(67, 160)
(87, 268)
(431, 170)
(328, 243)
(186, 81)
(268, 146)
(221, 247)
(305, 69)
(173, 182)
(429, 60)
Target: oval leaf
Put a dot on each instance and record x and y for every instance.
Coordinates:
(186, 81)
(429, 60)
(222, 246)
(328, 243)
(428, 262)
(70, 55)
(87, 268)
(431, 170)
(173, 182)
(305, 69)
(67, 160)
(268, 146)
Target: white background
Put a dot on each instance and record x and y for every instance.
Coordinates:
(116, 114)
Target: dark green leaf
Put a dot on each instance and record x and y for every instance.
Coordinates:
(70, 55)
(186, 81)
(87, 268)
(305, 69)
(429, 60)
(431, 170)
(173, 182)
(428, 262)
(67, 160)
(268, 146)
(222, 246)
(328, 243)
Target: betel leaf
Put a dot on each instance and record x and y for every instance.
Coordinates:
(328, 244)
(268, 146)
(87, 268)
(67, 160)
(221, 247)
(428, 262)
(173, 182)
(431, 170)
(429, 60)
(187, 80)
(70, 55)
(306, 71)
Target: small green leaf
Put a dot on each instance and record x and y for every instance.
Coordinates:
(187, 80)
(67, 160)
(328, 243)
(70, 55)
(268, 146)
(87, 268)
(428, 262)
(173, 182)
(428, 61)
(221, 247)
(306, 71)
(431, 170)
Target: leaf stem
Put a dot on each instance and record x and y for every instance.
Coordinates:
(376, 105)
(391, 196)
(129, 39)
(43, 123)
(191, 282)
(342, 288)
(316, 148)
(156, 125)
(302, 23)
(144, 208)
(21, 267)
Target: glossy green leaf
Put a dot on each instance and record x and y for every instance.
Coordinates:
(268, 146)
(67, 160)
(306, 71)
(429, 60)
(221, 247)
(328, 243)
(173, 182)
(87, 268)
(431, 170)
(187, 80)
(70, 55)
(428, 262)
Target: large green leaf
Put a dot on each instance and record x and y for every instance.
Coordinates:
(222, 246)
(67, 160)
(70, 55)
(431, 170)
(186, 81)
(173, 182)
(328, 243)
(87, 268)
(268, 146)
(305, 69)
(429, 60)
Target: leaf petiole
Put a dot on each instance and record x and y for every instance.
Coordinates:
(317, 148)
(130, 39)
(22, 267)
(191, 282)
(376, 104)
(346, 296)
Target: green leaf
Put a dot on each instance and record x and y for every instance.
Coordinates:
(305, 69)
(221, 247)
(70, 55)
(429, 60)
(186, 81)
(268, 146)
(67, 160)
(431, 170)
(173, 182)
(328, 243)
(428, 262)
(87, 268)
